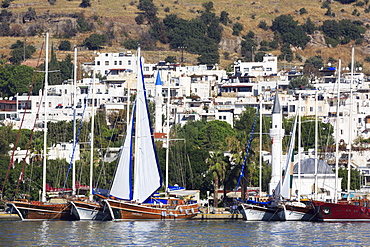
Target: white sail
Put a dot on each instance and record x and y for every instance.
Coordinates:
(147, 178)
(285, 188)
(122, 185)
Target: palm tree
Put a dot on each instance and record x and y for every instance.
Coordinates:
(217, 166)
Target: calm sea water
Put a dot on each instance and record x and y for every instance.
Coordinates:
(185, 233)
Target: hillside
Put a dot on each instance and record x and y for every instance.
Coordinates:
(118, 18)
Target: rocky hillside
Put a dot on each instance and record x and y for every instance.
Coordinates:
(117, 20)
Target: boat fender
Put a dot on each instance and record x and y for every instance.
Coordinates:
(171, 213)
(180, 209)
(164, 213)
(186, 212)
(175, 215)
(192, 210)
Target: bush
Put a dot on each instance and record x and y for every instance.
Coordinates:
(302, 11)
(263, 25)
(130, 44)
(85, 4)
(65, 45)
(95, 41)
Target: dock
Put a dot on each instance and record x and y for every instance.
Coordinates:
(225, 216)
(217, 214)
(6, 216)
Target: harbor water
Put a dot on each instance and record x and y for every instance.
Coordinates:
(182, 233)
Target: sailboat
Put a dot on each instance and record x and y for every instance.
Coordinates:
(350, 209)
(127, 202)
(36, 210)
(293, 209)
(88, 209)
(264, 210)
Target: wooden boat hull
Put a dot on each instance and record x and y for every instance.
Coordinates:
(253, 212)
(342, 211)
(90, 211)
(296, 213)
(122, 210)
(43, 211)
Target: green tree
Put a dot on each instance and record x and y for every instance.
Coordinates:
(149, 11)
(289, 31)
(224, 17)
(95, 41)
(6, 3)
(263, 25)
(355, 183)
(299, 82)
(64, 45)
(170, 59)
(312, 66)
(208, 6)
(217, 167)
(237, 28)
(20, 53)
(85, 4)
(130, 44)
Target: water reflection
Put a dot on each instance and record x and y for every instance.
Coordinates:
(175, 233)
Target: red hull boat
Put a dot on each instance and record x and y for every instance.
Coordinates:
(356, 210)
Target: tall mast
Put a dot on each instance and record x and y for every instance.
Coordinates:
(43, 198)
(316, 155)
(337, 135)
(137, 113)
(74, 121)
(92, 137)
(299, 148)
(350, 126)
(168, 133)
(260, 158)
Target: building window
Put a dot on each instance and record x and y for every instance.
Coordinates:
(359, 120)
(268, 69)
(65, 91)
(120, 62)
(129, 62)
(146, 68)
(115, 62)
(311, 109)
(106, 62)
(319, 109)
(98, 63)
(303, 109)
(49, 104)
(292, 108)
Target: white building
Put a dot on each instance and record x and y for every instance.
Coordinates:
(267, 67)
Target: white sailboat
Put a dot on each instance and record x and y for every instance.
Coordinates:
(293, 209)
(263, 211)
(89, 209)
(132, 202)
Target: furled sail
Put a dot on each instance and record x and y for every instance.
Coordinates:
(285, 187)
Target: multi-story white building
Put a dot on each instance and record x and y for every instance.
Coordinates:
(265, 68)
